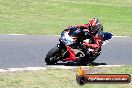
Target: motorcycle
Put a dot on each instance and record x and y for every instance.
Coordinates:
(71, 48)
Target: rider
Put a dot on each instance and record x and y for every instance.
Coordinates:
(95, 30)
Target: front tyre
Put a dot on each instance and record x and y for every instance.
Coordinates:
(52, 56)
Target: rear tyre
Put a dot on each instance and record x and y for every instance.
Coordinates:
(83, 62)
(52, 56)
(89, 58)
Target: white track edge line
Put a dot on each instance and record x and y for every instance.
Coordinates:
(53, 67)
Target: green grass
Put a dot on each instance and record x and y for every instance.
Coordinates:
(40, 17)
(58, 78)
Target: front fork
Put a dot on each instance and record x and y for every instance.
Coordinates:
(63, 51)
(67, 52)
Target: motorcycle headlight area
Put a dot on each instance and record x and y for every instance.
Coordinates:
(65, 38)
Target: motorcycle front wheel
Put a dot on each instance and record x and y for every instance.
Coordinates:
(52, 56)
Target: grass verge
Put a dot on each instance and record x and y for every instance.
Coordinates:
(59, 78)
(40, 17)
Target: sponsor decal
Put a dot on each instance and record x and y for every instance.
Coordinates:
(82, 77)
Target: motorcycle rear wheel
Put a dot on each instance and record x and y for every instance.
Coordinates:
(89, 58)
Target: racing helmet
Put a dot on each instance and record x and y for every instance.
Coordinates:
(93, 25)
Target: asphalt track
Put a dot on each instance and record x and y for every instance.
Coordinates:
(18, 51)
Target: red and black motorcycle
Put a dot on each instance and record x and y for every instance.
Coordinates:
(71, 48)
